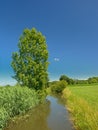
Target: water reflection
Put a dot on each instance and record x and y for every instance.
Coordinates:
(59, 117)
(52, 115)
(36, 121)
(59, 99)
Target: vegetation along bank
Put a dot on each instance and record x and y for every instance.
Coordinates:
(83, 106)
(14, 101)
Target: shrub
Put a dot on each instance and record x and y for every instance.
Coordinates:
(58, 86)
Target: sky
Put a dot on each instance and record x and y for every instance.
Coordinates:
(70, 28)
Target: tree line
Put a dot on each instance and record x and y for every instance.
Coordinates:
(69, 80)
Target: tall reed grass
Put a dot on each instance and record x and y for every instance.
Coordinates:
(15, 100)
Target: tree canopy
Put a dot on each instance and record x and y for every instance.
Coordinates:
(67, 79)
(30, 62)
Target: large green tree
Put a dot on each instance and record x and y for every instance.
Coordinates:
(30, 63)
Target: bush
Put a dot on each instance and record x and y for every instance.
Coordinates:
(14, 101)
(58, 86)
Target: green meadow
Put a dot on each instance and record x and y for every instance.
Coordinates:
(82, 103)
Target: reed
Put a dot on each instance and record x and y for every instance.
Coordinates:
(14, 101)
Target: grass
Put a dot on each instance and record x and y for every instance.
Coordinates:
(82, 102)
(14, 101)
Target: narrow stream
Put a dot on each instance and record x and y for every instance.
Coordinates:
(52, 115)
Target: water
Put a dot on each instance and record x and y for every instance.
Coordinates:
(52, 115)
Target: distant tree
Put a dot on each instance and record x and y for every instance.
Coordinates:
(63, 77)
(67, 79)
(77, 81)
(30, 62)
(93, 80)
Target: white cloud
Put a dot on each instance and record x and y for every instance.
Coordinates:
(56, 59)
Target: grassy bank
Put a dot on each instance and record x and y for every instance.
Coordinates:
(83, 105)
(14, 101)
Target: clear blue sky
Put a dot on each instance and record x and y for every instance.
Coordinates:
(70, 27)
